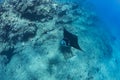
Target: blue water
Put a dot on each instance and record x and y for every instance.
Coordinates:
(108, 11)
(1, 1)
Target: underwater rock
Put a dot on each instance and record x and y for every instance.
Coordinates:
(24, 32)
(62, 13)
(17, 32)
(2, 9)
(34, 10)
(7, 51)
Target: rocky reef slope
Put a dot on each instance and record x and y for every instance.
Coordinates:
(30, 35)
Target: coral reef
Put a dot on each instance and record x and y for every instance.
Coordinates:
(41, 10)
(30, 35)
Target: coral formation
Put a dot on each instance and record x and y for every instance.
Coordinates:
(41, 10)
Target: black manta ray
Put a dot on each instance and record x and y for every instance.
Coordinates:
(70, 40)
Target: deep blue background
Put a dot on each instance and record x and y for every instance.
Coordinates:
(109, 12)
